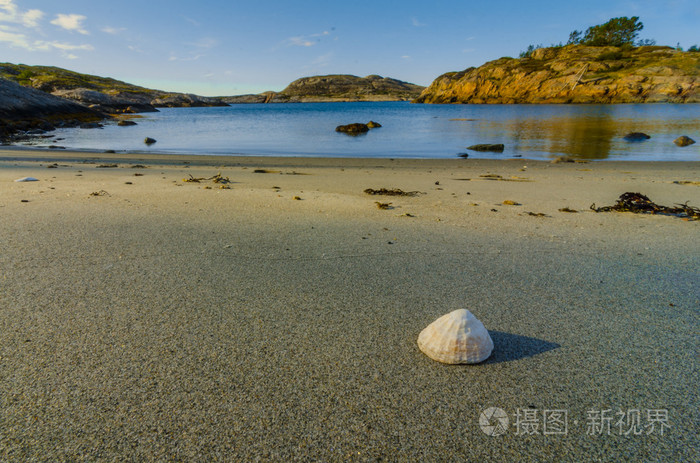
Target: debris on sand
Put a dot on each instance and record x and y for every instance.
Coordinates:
(391, 192)
(560, 159)
(218, 178)
(383, 205)
(640, 204)
(686, 182)
(99, 193)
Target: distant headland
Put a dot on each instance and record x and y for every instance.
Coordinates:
(336, 88)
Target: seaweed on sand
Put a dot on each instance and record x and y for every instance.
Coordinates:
(216, 179)
(640, 204)
(392, 192)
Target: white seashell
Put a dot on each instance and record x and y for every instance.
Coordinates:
(458, 337)
(27, 179)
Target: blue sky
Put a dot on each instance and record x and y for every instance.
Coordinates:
(236, 47)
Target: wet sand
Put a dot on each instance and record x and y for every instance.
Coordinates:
(148, 318)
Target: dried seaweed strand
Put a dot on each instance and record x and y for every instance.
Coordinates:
(640, 204)
(392, 192)
(215, 178)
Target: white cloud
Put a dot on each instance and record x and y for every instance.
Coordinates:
(15, 39)
(18, 29)
(174, 57)
(10, 13)
(31, 18)
(71, 22)
(417, 23)
(112, 30)
(306, 40)
(66, 46)
(20, 40)
(300, 42)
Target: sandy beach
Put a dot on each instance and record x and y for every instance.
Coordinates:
(147, 318)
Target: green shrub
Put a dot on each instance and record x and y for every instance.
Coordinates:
(25, 77)
(610, 56)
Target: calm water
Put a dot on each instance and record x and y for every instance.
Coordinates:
(409, 131)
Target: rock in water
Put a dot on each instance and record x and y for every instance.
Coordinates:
(353, 129)
(149, 141)
(683, 141)
(636, 136)
(457, 337)
(497, 147)
(126, 123)
(373, 125)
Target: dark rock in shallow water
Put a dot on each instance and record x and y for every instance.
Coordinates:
(497, 147)
(353, 129)
(373, 125)
(125, 123)
(91, 125)
(683, 141)
(636, 136)
(149, 141)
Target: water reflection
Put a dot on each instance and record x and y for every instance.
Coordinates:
(581, 138)
(590, 132)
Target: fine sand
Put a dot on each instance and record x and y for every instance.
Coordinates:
(145, 318)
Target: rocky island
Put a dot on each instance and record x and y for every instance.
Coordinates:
(336, 88)
(576, 74)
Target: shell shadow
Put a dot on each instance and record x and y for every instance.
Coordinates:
(509, 347)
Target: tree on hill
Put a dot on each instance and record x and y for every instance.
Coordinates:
(616, 32)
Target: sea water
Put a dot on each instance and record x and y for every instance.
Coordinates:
(408, 131)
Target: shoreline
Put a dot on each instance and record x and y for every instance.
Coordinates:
(10, 153)
(147, 317)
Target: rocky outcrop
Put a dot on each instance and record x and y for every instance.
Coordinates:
(336, 88)
(245, 99)
(113, 103)
(23, 109)
(185, 100)
(576, 74)
(103, 93)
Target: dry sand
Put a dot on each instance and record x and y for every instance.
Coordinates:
(163, 320)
